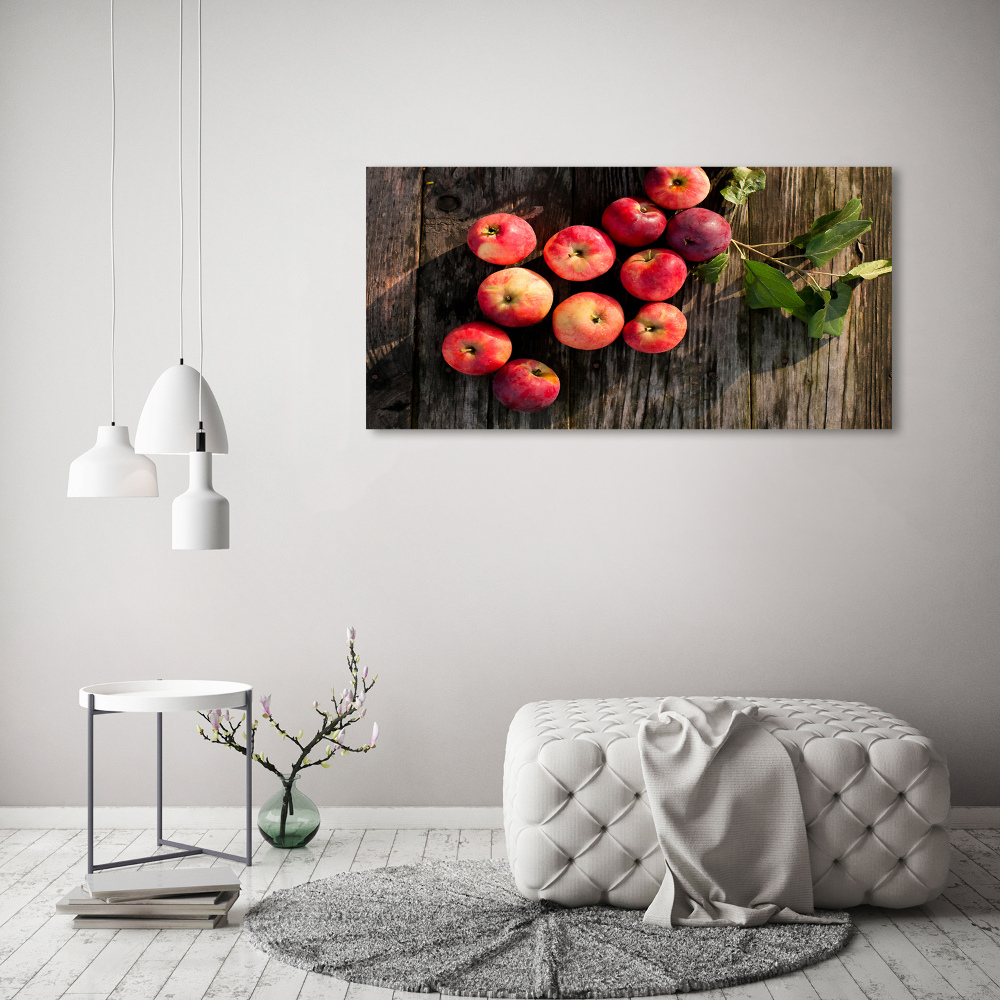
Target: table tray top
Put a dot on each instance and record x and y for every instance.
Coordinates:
(165, 695)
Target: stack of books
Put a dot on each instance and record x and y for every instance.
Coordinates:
(175, 897)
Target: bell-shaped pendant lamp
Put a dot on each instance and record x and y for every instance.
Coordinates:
(200, 515)
(181, 415)
(111, 468)
(168, 424)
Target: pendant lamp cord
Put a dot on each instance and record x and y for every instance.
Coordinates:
(180, 162)
(114, 131)
(201, 331)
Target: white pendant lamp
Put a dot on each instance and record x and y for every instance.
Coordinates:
(111, 468)
(200, 515)
(181, 415)
(169, 421)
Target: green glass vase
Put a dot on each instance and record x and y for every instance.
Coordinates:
(289, 818)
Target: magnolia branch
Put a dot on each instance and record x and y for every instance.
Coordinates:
(348, 710)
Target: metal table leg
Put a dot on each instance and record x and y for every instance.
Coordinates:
(159, 778)
(185, 850)
(90, 784)
(248, 730)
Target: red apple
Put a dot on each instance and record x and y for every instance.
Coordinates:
(698, 234)
(654, 274)
(525, 385)
(515, 297)
(657, 327)
(677, 187)
(587, 321)
(633, 223)
(501, 238)
(476, 348)
(579, 253)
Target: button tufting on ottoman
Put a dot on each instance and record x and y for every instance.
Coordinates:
(579, 831)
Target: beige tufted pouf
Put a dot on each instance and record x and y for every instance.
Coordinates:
(875, 796)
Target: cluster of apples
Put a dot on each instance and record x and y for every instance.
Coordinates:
(587, 321)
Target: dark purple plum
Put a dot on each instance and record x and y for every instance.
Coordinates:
(698, 234)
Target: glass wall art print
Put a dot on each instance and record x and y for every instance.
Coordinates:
(629, 297)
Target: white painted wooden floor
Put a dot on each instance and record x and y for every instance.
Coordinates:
(947, 949)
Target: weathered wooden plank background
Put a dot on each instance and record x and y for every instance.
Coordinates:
(735, 368)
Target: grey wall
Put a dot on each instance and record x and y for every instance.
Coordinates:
(481, 571)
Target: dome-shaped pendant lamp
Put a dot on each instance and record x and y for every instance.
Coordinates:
(111, 468)
(168, 424)
(181, 415)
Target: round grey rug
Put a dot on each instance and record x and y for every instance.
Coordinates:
(460, 927)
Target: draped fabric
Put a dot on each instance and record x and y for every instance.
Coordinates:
(728, 818)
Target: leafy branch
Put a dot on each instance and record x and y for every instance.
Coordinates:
(822, 309)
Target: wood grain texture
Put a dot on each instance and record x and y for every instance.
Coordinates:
(735, 368)
(833, 382)
(393, 249)
(709, 370)
(949, 947)
(450, 275)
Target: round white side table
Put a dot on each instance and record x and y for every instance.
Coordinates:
(161, 696)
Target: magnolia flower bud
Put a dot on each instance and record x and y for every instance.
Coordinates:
(351, 634)
(374, 734)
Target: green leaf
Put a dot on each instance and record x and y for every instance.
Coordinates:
(813, 301)
(823, 248)
(743, 184)
(870, 269)
(767, 287)
(846, 214)
(836, 309)
(711, 270)
(829, 321)
(816, 323)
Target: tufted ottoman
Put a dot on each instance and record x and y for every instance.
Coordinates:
(579, 831)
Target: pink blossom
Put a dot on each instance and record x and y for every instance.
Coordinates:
(214, 717)
(351, 633)
(374, 734)
(265, 701)
(364, 674)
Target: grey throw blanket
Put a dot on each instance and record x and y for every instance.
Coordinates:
(728, 818)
